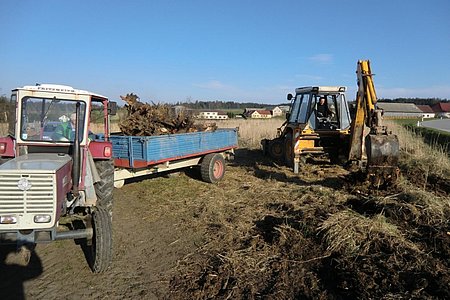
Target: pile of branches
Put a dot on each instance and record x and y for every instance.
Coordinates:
(145, 119)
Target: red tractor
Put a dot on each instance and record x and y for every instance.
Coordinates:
(57, 177)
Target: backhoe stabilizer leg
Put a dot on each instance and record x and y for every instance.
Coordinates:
(296, 165)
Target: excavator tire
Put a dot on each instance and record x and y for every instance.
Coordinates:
(276, 149)
(288, 150)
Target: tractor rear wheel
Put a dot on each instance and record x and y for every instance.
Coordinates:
(105, 187)
(101, 244)
(212, 167)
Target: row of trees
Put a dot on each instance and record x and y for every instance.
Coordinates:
(5, 107)
(221, 105)
(237, 105)
(417, 101)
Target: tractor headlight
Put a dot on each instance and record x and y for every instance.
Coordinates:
(8, 219)
(42, 218)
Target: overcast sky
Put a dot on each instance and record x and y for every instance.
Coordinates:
(242, 50)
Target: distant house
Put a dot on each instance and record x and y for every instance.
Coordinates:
(258, 114)
(277, 111)
(442, 109)
(427, 111)
(284, 108)
(212, 114)
(248, 109)
(400, 110)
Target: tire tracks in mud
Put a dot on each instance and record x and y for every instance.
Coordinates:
(146, 248)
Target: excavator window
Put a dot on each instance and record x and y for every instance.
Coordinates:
(326, 113)
(343, 112)
(299, 111)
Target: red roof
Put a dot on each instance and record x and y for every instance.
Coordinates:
(264, 112)
(441, 107)
(425, 108)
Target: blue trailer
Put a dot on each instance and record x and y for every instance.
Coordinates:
(136, 156)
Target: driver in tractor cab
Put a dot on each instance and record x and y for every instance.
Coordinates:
(66, 130)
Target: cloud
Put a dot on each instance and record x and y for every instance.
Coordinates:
(322, 58)
(211, 85)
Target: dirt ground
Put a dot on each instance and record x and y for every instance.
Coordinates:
(261, 233)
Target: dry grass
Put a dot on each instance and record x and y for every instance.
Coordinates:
(351, 234)
(275, 232)
(251, 132)
(3, 129)
(264, 232)
(417, 154)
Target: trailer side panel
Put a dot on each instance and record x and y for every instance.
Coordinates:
(142, 151)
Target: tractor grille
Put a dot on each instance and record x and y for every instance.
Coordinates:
(38, 199)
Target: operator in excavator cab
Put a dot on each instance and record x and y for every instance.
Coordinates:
(323, 112)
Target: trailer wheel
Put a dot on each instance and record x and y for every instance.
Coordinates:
(212, 167)
(101, 246)
(104, 188)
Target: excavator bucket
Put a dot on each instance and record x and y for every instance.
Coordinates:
(382, 159)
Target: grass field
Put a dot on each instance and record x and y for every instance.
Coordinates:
(266, 233)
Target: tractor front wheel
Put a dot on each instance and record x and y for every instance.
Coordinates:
(101, 243)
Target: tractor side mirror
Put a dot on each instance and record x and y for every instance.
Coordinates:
(289, 97)
(112, 108)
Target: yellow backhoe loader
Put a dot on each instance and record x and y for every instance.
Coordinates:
(319, 122)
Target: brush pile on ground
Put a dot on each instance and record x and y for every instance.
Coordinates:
(315, 237)
(157, 119)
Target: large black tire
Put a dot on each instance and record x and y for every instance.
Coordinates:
(276, 149)
(101, 248)
(212, 168)
(105, 187)
(288, 150)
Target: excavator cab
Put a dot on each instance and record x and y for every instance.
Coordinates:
(319, 108)
(317, 123)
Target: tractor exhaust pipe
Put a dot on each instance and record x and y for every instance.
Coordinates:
(76, 153)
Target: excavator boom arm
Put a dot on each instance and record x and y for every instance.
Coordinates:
(370, 140)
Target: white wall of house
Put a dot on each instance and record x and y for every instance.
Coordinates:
(276, 112)
(211, 115)
(428, 115)
(257, 115)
